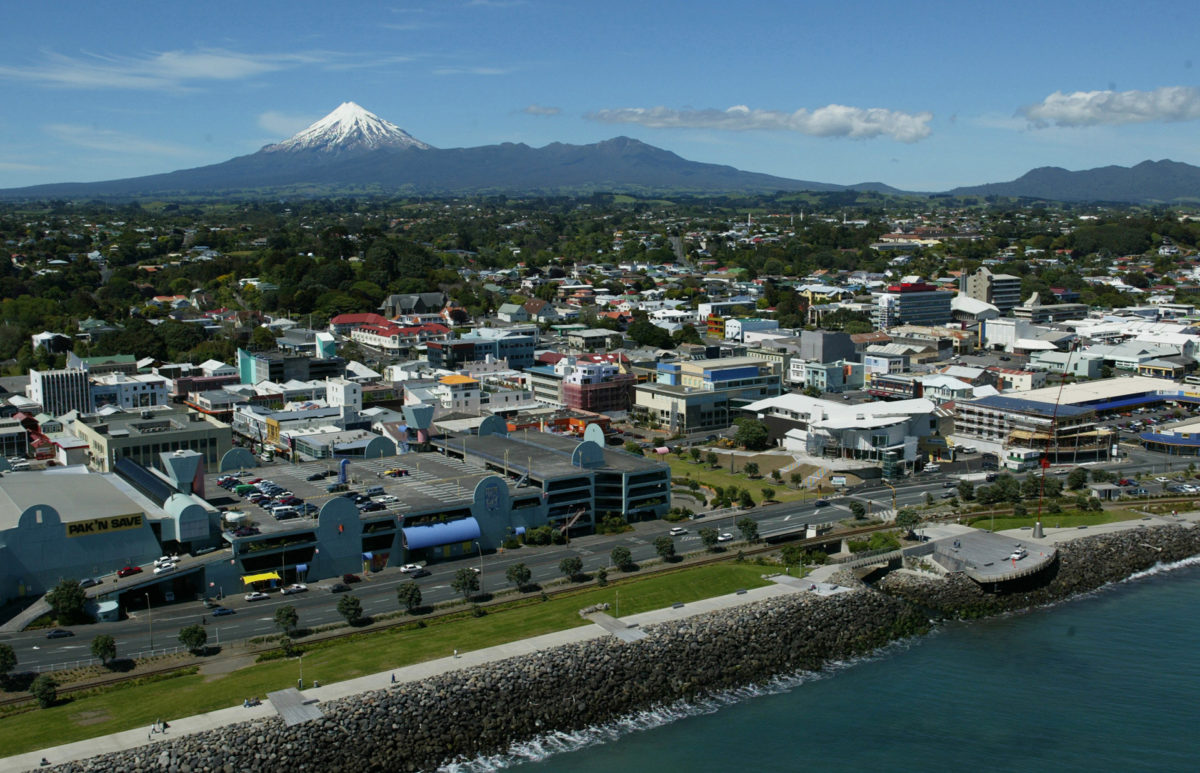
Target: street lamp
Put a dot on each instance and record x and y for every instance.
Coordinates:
(480, 548)
(150, 619)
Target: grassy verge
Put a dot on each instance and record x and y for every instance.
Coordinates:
(685, 468)
(134, 705)
(1067, 518)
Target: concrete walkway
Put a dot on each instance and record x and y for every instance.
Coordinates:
(611, 626)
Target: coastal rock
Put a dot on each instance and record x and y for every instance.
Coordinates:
(485, 709)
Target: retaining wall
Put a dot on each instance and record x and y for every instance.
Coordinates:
(485, 709)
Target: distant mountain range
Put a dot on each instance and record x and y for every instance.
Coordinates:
(1148, 182)
(352, 150)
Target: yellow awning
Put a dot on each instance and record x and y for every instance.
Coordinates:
(253, 578)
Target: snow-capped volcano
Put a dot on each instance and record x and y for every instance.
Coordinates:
(349, 127)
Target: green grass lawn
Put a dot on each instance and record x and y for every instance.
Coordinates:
(681, 468)
(1066, 518)
(135, 705)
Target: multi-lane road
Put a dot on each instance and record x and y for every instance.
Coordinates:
(158, 628)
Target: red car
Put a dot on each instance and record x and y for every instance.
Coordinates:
(349, 578)
(128, 571)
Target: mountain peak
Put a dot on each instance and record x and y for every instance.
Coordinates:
(349, 127)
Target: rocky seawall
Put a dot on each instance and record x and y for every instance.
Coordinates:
(483, 710)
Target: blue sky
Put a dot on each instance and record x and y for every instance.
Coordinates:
(920, 95)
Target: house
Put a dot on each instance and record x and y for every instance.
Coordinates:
(512, 312)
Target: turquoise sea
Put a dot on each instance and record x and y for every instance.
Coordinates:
(1105, 682)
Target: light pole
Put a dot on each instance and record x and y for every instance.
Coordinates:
(150, 620)
(480, 549)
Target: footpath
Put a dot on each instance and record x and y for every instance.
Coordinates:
(603, 625)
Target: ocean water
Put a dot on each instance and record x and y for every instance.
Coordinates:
(1105, 682)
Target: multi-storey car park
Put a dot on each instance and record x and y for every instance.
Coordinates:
(467, 496)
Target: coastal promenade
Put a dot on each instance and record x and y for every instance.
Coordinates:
(183, 726)
(604, 624)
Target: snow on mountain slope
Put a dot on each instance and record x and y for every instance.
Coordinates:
(349, 127)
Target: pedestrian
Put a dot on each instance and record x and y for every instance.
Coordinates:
(45, 761)
(393, 678)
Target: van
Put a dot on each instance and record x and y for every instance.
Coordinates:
(932, 468)
(332, 487)
(373, 490)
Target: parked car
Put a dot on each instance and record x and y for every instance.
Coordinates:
(295, 588)
(164, 568)
(129, 571)
(316, 476)
(339, 587)
(89, 582)
(420, 573)
(222, 611)
(351, 578)
(59, 633)
(256, 596)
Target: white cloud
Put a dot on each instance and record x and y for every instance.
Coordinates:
(541, 110)
(113, 141)
(157, 71)
(14, 166)
(283, 124)
(828, 121)
(1092, 108)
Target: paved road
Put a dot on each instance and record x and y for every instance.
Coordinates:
(378, 595)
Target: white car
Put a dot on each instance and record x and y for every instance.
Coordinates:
(294, 588)
(410, 568)
(165, 560)
(1017, 554)
(675, 532)
(256, 596)
(726, 537)
(1163, 479)
(164, 568)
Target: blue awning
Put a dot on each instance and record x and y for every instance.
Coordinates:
(301, 567)
(367, 556)
(435, 534)
(519, 530)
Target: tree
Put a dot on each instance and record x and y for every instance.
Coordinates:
(665, 547)
(928, 499)
(631, 447)
(908, 519)
(708, 536)
(749, 529)
(711, 459)
(796, 478)
(776, 475)
(751, 469)
(621, 558)
(745, 500)
(791, 554)
(751, 434)
(287, 618)
(519, 575)
(8, 659)
(194, 637)
(68, 601)
(768, 493)
(571, 567)
(466, 582)
(858, 509)
(408, 594)
(966, 490)
(1077, 479)
(45, 690)
(694, 453)
(350, 608)
(104, 647)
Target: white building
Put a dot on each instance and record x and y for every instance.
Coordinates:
(140, 391)
(59, 391)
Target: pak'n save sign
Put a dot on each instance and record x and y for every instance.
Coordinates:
(104, 525)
